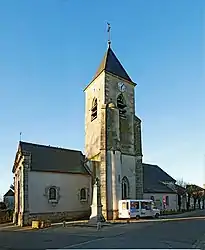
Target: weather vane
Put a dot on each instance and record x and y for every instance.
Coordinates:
(20, 135)
(108, 30)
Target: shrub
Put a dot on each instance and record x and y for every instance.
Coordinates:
(2, 205)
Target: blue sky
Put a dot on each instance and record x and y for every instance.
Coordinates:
(51, 49)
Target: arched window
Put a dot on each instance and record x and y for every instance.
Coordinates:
(121, 105)
(94, 109)
(167, 200)
(125, 188)
(52, 193)
(83, 194)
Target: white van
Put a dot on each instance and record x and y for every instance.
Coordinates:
(137, 209)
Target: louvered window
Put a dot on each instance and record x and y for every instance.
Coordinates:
(94, 109)
(121, 105)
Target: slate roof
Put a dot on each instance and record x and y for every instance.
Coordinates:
(9, 193)
(111, 64)
(47, 158)
(153, 178)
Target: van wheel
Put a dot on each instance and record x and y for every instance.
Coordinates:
(156, 216)
(137, 217)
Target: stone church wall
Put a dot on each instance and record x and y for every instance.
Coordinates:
(128, 170)
(126, 126)
(93, 128)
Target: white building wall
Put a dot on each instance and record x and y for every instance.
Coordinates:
(173, 199)
(69, 184)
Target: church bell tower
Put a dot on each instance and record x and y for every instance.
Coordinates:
(113, 134)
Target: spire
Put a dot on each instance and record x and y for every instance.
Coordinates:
(111, 64)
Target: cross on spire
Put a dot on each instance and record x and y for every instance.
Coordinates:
(108, 31)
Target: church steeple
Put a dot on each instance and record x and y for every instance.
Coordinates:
(111, 64)
(113, 134)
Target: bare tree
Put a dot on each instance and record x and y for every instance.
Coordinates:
(181, 183)
(197, 193)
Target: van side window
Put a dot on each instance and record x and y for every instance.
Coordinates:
(134, 204)
(146, 205)
(137, 205)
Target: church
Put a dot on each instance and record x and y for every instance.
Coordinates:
(56, 184)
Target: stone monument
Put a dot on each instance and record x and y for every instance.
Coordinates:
(96, 207)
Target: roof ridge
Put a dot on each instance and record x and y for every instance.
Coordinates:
(156, 166)
(149, 164)
(48, 146)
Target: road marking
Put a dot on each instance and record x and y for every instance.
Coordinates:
(89, 241)
(83, 243)
(161, 219)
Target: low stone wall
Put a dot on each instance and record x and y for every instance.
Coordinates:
(5, 216)
(58, 216)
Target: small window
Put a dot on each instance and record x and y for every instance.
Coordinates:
(52, 194)
(124, 205)
(83, 194)
(94, 109)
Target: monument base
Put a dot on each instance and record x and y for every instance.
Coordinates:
(96, 215)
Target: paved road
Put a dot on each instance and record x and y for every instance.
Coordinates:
(171, 233)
